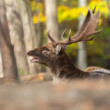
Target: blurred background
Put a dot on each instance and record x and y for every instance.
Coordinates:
(24, 25)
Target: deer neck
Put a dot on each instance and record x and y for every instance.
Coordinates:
(63, 67)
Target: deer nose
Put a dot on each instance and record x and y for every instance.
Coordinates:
(29, 53)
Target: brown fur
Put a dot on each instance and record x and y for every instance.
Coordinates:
(62, 67)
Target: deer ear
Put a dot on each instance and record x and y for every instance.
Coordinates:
(58, 49)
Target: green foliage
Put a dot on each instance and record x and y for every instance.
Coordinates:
(66, 13)
(72, 49)
(69, 14)
(37, 9)
(106, 33)
(101, 5)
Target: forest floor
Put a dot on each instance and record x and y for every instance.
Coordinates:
(43, 95)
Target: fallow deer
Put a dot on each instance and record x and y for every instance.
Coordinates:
(53, 54)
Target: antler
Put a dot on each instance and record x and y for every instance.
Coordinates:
(88, 28)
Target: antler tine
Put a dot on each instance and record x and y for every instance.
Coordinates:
(69, 32)
(94, 10)
(62, 35)
(96, 32)
(97, 14)
(69, 39)
(49, 36)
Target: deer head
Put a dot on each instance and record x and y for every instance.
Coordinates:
(50, 53)
(45, 54)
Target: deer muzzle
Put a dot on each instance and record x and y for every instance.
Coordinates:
(34, 56)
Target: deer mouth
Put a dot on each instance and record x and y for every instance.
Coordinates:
(34, 59)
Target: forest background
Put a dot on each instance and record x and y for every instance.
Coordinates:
(24, 26)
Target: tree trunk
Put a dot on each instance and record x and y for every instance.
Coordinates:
(82, 52)
(51, 22)
(17, 34)
(35, 38)
(108, 5)
(29, 33)
(7, 52)
(1, 66)
(39, 31)
(51, 18)
(32, 27)
(107, 50)
(39, 26)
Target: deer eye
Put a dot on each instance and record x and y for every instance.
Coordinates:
(46, 49)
